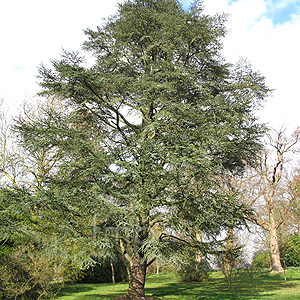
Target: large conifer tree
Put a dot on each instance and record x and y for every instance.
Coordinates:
(150, 128)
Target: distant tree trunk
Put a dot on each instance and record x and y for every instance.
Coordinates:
(113, 279)
(199, 254)
(230, 258)
(276, 187)
(274, 243)
(273, 224)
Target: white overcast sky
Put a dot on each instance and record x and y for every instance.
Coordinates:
(265, 32)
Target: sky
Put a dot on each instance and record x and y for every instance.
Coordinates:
(265, 32)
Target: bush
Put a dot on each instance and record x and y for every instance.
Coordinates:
(290, 251)
(194, 271)
(228, 261)
(262, 260)
(27, 273)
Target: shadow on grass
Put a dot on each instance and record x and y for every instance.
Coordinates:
(85, 291)
(216, 289)
(164, 286)
(101, 297)
(73, 289)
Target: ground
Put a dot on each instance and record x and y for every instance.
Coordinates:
(265, 286)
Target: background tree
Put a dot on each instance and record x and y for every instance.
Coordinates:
(150, 127)
(27, 228)
(16, 220)
(290, 249)
(273, 191)
(26, 162)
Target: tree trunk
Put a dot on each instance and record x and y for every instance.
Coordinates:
(199, 254)
(113, 279)
(137, 277)
(230, 258)
(274, 242)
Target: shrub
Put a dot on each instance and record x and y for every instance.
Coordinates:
(228, 260)
(193, 270)
(262, 259)
(27, 273)
(290, 251)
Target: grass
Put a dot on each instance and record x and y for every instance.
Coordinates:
(265, 286)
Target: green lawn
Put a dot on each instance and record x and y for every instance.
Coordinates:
(265, 286)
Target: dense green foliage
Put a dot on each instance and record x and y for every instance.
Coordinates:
(290, 250)
(289, 253)
(193, 116)
(262, 259)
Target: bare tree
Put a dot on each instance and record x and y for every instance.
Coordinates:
(272, 191)
(24, 163)
(36, 161)
(8, 164)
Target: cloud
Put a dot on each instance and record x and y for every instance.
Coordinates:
(272, 48)
(282, 11)
(34, 31)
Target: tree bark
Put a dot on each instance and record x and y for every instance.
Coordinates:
(230, 258)
(273, 225)
(274, 242)
(137, 276)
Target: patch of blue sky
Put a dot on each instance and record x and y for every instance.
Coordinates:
(186, 4)
(18, 67)
(281, 12)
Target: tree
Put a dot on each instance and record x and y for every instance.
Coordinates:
(150, 127)
(27, 161)
(274, 189)
(14, 218)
